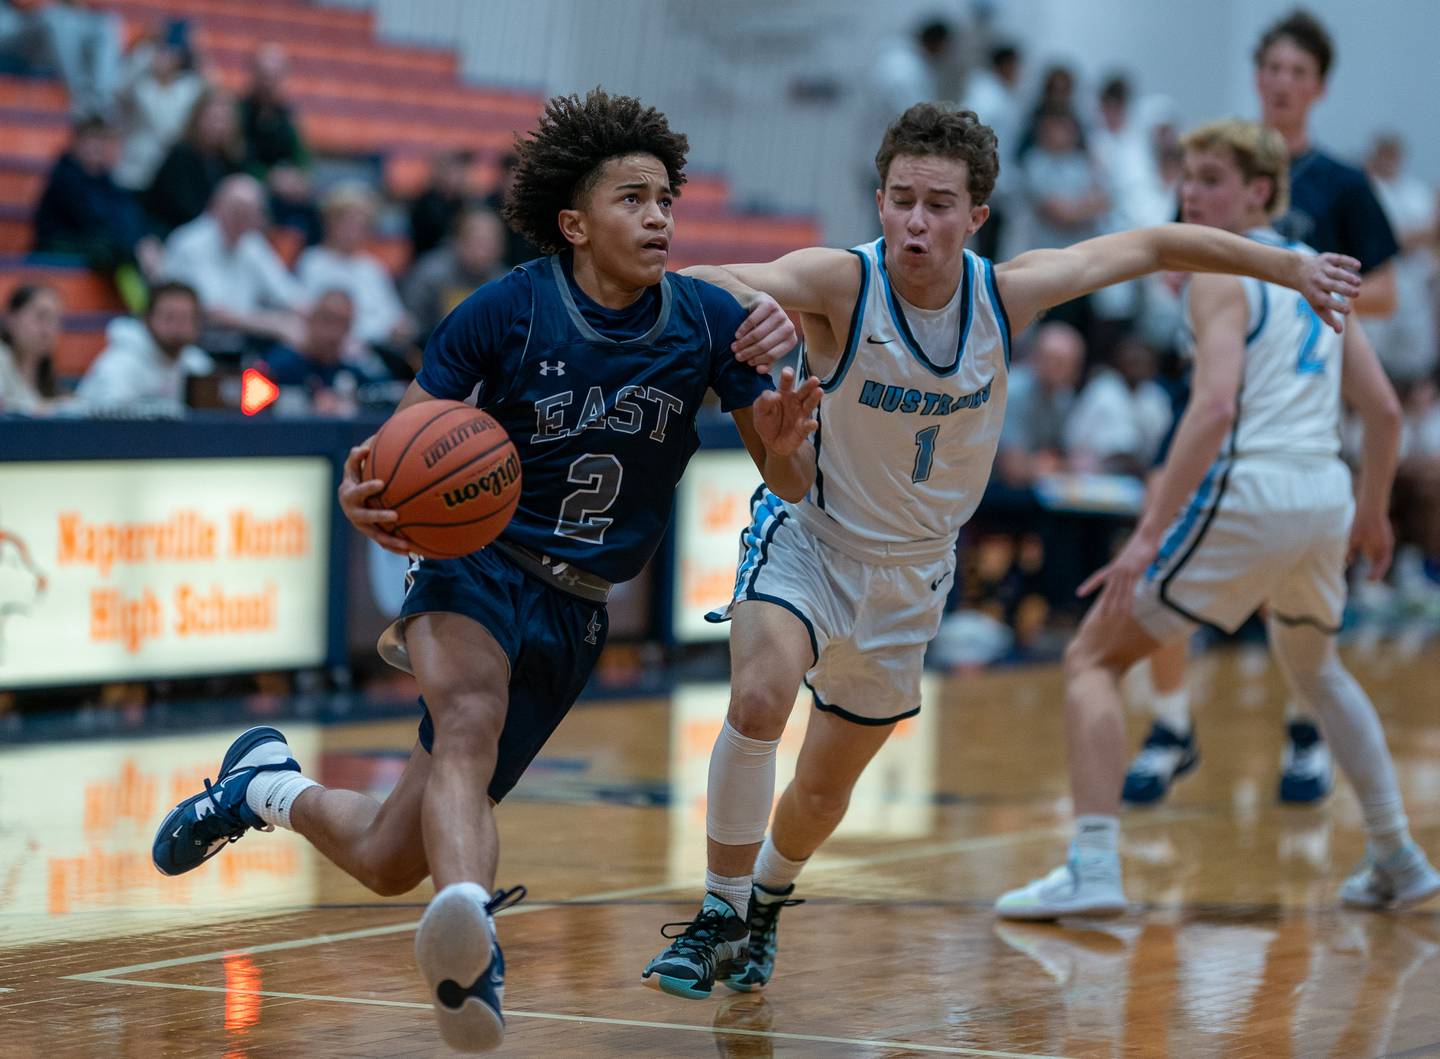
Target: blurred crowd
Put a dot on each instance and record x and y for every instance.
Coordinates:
(229, 244)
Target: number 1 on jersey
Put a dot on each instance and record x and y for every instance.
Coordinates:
(924, 454)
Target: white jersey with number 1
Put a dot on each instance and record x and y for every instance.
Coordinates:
(910, 418)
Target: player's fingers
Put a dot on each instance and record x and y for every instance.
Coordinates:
(1380, 562)
(786, 385)
(370, 516)
(1094, 581)
(754, 335)
(356, 460)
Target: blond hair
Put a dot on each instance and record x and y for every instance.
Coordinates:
(1257, 150)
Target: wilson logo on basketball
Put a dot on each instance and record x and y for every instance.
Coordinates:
(436, 452)
(492, 483)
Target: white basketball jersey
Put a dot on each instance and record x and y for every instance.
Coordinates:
(1289, 400)
(907, 434)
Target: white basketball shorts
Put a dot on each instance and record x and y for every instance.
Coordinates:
(1258, 530)
(869, 623)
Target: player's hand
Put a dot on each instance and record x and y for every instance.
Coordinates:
(785, 416)
(1328, 282)
(354, 492)
(1117, 580)
(766, 335)
(1373, 539)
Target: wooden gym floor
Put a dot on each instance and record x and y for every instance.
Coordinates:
(1234, 948)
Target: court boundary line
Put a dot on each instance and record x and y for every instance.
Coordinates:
(113, 976)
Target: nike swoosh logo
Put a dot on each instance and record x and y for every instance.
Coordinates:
(937, 582)
(878, 341)
(176, 832)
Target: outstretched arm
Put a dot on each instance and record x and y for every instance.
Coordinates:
(1218, 317)
(813, 280)
(1034, 282)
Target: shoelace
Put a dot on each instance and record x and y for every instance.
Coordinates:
(762, 923)
(696, 936)
(224, 822)
(503, 899)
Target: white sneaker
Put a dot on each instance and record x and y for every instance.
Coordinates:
(1306, 772)
(1094, 892)
(461, 963)
(1401, 881)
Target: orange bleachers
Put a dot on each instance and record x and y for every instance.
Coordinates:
(353, 96)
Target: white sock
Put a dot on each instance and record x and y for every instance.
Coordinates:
(1295, 712)
(271, 795)
(1172, 709)
(1097, 839)
(774, 870)
(734, 889)
(1386, 825)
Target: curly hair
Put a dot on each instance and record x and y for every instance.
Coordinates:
(559, 163)
(948, 132)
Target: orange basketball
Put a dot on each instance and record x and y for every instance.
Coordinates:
(450, 472)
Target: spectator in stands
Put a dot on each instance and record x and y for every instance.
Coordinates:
(1405, 341)
(148, 360)
(341, 263)
(275, 152)
(209, 152)
(1121, 416)
(319, 363)
(83, 211)
(1416, 503)
(1041, 396)
(994, 94)
(247, 294)
(29, 333)
(1057, 93)
(446, 276)
(1063, 184)
(63, 36)
(435, 210)
(159, 93)
(518, 249)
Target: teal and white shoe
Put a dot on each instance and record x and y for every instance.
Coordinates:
(763, 919)
(712, 945)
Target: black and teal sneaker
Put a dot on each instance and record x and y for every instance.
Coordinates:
(463, 967)
(1165, 757)
(205, 823)
(763, 919)
(710, 946)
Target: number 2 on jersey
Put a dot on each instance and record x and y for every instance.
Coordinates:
(924, 454)
(1309, 363)
(581, 512)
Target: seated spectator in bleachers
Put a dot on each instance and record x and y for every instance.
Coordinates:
(341, 263)
(1121, 416)
(248, 295)
(156, 100)
(1406, 340)
(67, 38)
(29, 332)
(1040, 399)
(518, 249)
(149, 360)
(1064, 185)
(319, 364)
(209, 152)
(434, 212)
(84, 212)
(446, 276)
(275, 152)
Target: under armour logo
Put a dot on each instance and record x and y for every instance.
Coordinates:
(546, 368)
(593, 628)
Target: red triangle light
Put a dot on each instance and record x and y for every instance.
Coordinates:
(256, 392)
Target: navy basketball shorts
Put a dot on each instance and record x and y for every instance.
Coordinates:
(551, 639)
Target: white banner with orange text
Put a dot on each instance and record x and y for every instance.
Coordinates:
(131, 569)
(712, 506)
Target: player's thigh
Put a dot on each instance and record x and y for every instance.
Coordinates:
(464, 676)
(771, 650)
(834, 754)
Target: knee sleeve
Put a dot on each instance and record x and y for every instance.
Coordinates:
(741, 789)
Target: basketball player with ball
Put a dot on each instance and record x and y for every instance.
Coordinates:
(586, 370)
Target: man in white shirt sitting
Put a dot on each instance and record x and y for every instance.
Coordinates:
(149, 360)
(245, 289)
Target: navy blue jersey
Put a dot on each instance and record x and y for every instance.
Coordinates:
(1333, 208)
(600, 403)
